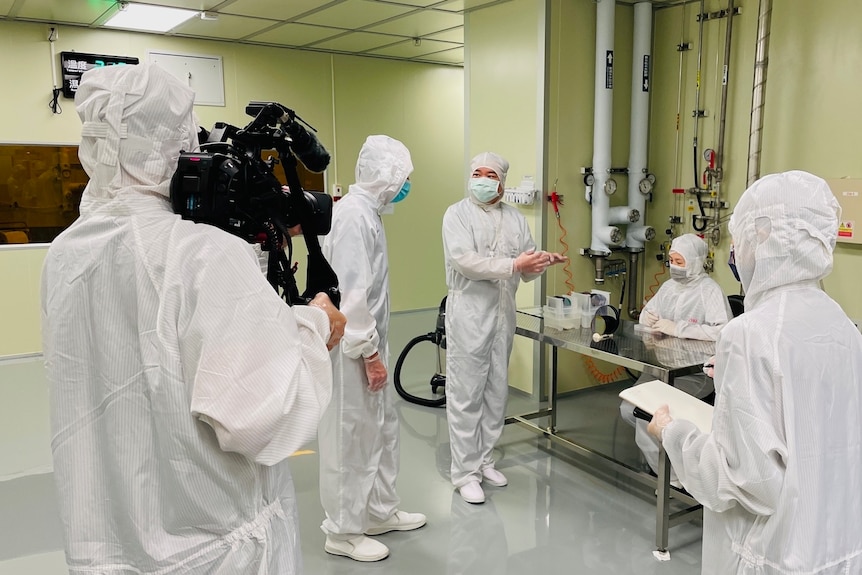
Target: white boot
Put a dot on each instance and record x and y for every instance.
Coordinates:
(359, 548)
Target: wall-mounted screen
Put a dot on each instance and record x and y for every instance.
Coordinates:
(74, 64)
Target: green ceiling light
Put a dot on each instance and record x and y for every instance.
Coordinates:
(131, 16)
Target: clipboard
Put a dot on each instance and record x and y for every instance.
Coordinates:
(649, 396)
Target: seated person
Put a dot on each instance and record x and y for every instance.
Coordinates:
(689, 306)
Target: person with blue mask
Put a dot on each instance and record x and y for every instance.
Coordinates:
(488, 250)
(358, 435)
(780, 473)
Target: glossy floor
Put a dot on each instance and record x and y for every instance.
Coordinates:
(553, 517)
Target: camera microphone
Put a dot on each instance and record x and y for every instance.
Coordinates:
(306, 147)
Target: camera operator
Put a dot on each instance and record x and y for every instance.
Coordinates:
(179, 380)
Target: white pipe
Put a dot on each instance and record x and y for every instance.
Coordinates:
(623, 215)
(641, 78)
(603, 233)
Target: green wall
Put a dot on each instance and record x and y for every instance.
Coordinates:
(345, 98)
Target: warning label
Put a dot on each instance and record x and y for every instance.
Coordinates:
(845, 229)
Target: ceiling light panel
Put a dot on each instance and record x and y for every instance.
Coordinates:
(148, 17)
(355, 14)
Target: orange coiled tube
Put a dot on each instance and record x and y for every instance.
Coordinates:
(598, 374)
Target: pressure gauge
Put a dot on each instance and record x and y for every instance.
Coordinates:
(610, 186)
(651, 178)
(589, 179)
(645, 186)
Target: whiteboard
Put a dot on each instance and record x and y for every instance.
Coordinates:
(201, 73)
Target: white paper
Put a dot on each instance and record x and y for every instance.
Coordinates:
(651, 395)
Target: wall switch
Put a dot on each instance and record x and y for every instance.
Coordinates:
(336, 192)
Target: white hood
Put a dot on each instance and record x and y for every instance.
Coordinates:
(784, 230)
(136, 119)
(694, 250)
(383, 166)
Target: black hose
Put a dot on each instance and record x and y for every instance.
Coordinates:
(436, 379)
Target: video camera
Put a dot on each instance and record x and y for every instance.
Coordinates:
(228, 185)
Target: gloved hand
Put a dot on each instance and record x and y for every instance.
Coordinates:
(556, 258)
(648, 318)
(709, 367)
(531, 262)
(337, 320)
(660, 419)
(376, 372)
(667, 326)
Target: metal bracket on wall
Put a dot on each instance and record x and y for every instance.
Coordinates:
(720, 14)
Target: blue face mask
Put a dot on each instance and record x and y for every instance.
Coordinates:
(731, 263)
(484, 189)
(405, 189)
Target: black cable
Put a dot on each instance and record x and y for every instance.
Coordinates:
(54, 104)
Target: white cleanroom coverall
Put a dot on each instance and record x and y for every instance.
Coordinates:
(699, 310)
(480, 244)
(358, 437)
(780, 475)
(695, 303)
(179, 380)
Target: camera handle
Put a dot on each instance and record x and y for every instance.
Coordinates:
(320, 277)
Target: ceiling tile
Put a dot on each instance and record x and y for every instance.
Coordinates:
(227, 26)
(358, 42)
(355, 14)
(188, 4)
(68, 12)
(453, 35)
(461, 5)
(296, 35)
(455, 56)
(273, 9)
(408, 49)
(411, 3)
(420, 24)
(5, 5)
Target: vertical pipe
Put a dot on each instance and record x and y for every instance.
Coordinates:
(719, 159)
(602, 233)
(634, 289)
(639, 133)
(761, 64)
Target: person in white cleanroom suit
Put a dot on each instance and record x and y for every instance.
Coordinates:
(179, 381)
(690, 305)
(358, 437)
(488, 249)
(780, 474)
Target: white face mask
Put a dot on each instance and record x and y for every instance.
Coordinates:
(678, 272)
(484, 189)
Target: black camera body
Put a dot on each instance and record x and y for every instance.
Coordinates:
(228, 185)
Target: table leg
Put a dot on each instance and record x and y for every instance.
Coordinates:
(662, 501)
(552, 400)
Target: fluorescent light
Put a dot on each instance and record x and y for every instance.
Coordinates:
(149, 18)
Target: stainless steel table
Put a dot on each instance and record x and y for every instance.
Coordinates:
(660, 356)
